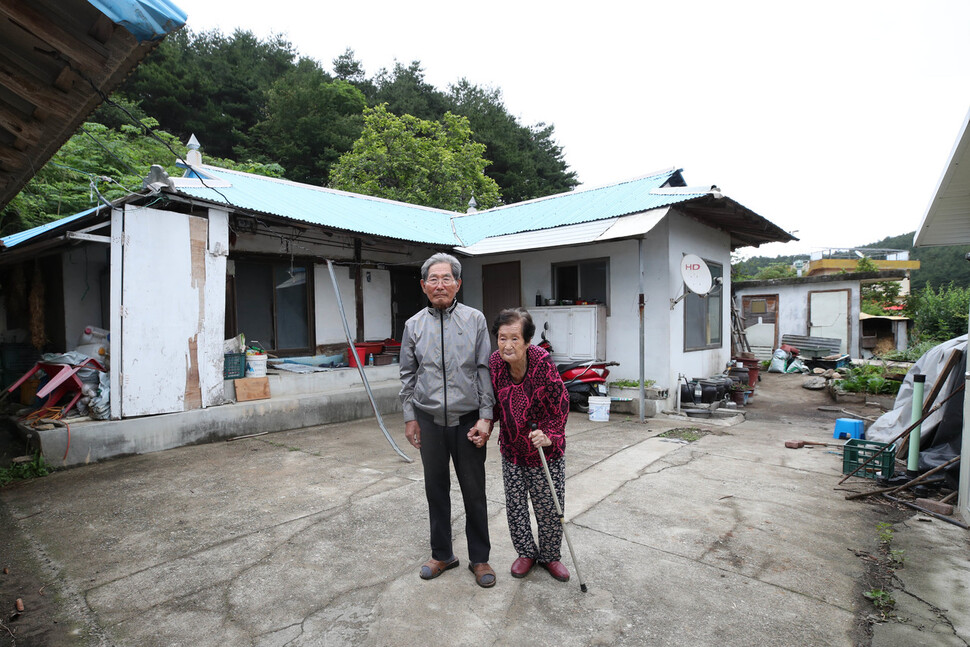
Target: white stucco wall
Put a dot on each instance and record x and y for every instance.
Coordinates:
(82, 267)
(793, 306)
(663, 248)
(377, 304)
(688, 236)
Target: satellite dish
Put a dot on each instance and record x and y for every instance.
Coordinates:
(696, 274)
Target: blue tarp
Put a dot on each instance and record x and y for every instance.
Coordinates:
(145, 19)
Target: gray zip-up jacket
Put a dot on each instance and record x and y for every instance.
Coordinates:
(461, 384)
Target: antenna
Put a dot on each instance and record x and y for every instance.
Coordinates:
(696, 275)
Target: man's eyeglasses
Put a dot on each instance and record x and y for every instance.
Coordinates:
(435, 281)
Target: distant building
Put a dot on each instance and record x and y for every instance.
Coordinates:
(838, 260)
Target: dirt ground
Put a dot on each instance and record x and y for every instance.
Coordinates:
(780, 396)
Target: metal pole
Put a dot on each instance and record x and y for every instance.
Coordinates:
(562, 519)
(912, 465)
(643, 395)
(360, 368)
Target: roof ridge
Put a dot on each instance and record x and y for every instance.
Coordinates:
(668, 171)
(324, 189)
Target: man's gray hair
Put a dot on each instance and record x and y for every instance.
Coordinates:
(441, 257)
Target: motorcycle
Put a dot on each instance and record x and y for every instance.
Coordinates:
(583, 378)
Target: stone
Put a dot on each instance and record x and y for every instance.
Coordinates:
(935, 506)
(818, 371)
(816, 383)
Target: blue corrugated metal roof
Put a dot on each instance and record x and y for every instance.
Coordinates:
(145, 19)
(387, 218)
(328, 208)
(570, 208)
(21, 236)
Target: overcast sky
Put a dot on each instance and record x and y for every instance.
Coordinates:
(834, 120)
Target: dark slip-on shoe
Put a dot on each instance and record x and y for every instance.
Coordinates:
(433, 568)
(484, 575)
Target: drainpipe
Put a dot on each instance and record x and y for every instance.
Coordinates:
(643, 394)
(912, 466)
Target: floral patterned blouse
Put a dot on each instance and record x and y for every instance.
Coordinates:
(540, 398)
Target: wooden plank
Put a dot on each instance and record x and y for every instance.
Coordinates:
(252, 388)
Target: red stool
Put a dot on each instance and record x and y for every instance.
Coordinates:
(62, 381)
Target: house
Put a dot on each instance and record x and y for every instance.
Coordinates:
(197, 259)
(821, 305)
(59, 59)
(947, 222)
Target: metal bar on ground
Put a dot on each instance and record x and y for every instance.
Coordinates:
(929, 512)
(360, 368)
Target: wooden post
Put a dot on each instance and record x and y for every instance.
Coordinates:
(358, 290)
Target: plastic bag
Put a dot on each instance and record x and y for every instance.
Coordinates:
(779, 361)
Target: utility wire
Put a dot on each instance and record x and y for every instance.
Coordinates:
(149, 131)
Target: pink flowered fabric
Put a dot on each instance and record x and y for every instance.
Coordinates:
(540, 398)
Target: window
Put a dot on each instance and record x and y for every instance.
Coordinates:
(272, 305)
(583, 280)
(702, 315)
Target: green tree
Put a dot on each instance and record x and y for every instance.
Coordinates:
(211, 85)
(405, 92)
(432, 163)
(526, 162)
(866, 264)
(939, 315)
(776, 271)
(310, 122)
(97, 163)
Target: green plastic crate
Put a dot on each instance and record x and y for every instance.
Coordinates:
(234, 366)
(857, 451)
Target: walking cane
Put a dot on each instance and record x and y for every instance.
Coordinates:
(562, 519)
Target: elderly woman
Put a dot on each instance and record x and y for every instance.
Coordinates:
(529, 391)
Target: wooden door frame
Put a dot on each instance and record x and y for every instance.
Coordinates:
(848, 314)
(777, 299)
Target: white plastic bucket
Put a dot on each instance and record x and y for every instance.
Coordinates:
(256, 365)
(599, 409)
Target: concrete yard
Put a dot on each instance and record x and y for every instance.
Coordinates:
(314, 537)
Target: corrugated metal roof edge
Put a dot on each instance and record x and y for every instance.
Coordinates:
(8, 242)
(322, 189)
(670, 172)
(674, 200)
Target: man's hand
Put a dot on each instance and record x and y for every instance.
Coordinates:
(479, 434)
(413, 432)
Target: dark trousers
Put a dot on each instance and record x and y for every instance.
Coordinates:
(439, 445)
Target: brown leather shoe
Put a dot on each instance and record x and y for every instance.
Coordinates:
(433, 568)
(484, 575)
(557, 569)
(522, 566)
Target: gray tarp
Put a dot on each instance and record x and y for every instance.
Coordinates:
(942, 431)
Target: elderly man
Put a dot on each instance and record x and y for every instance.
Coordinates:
(446, 393)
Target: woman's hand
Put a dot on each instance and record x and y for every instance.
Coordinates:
(480, 433)
(539, 439)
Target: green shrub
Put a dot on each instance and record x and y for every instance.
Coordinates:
(868, 378)
(939, 315)
(911, 354)
(20, 471)
(632, 384)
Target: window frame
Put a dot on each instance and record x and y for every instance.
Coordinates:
(579, 277)
(270, 265)
(692, 301)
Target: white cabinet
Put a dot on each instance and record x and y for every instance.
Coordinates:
(575, 332)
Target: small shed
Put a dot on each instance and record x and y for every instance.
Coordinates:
(817, 306)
